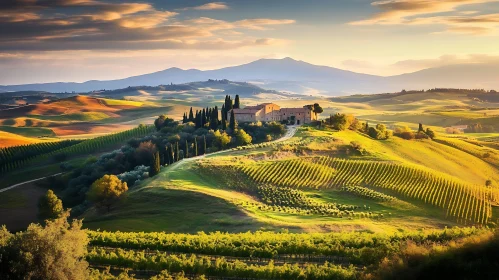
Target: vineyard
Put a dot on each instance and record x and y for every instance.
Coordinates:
(463, 202)
(368, 193)
(13, 158)
(473, 148)
(258, 255)
(294, 201)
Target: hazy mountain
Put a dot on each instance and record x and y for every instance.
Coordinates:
(297, 76)
(469, 76)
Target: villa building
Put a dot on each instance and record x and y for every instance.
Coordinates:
(268, 112)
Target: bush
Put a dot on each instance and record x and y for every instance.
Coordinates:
(138, 174)
(56, 251)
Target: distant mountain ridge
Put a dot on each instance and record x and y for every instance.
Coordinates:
(288, 74)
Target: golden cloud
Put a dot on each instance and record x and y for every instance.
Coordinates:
(212, 6)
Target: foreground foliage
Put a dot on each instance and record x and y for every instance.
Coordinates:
(54, 251)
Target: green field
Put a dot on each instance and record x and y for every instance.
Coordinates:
(452, 195)
(29, 131)
(76, 117)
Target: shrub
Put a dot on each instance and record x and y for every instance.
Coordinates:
(138, 174)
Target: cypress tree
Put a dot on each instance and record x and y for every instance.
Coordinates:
(177, 154)
(214, 118)
(172, 153)
(224, 122)
(196, 146)
(232, 124)
(184, 118)
(203, 118)
(420, 129)
(204, 144)
(198, 120)
(155, 166)
(237, 105)
(191, 116)
(224, 114)
(186, 149)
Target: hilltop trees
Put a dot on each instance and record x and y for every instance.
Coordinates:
(54, 251)
(107, 190)
(50, 206)
(162, 121)
(380, 132)
(341, 121)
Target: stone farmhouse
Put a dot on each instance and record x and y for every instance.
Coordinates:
(268, 112)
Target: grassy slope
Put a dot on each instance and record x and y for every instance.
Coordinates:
(398, 215)
(429, 154)
(10, 139)
(29, 131)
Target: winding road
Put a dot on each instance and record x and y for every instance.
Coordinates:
(30, 181)
(290, 133)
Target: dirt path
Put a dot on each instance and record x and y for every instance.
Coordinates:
(290, 133)
(30, 181)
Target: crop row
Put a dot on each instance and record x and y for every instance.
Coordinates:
(358, 247)
(464, 202)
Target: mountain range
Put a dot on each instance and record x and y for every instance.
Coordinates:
(295, 76)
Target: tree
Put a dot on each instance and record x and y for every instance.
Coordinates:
(318, 109)
(233, 122)
(214, 118)
(184, 118)
(204, 120)
(162, 121)
(431, 133)
(341, 121)
(155, 166)
(237, 103)
(107, 190)
(374, 133)
(177, 152)
(145, 152)
(54, 251)
(191, 115)
(196, 146)
(204, 144)
(50, 206)
(186, 154)
(420, 129)
(224, 121)
(243, 138)
(222, 139)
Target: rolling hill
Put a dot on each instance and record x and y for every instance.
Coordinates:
(296, 76)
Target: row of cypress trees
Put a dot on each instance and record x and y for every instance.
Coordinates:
(211, 115)
(172, 154)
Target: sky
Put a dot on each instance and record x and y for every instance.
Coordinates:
(80, 40)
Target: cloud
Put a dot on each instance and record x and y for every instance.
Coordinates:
(212, 6)
(445, 60)
(397, 11)
(46, 25)
(419, 12)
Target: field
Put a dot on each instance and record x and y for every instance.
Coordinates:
(318, 203)
(74, 117)
(315, 182)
